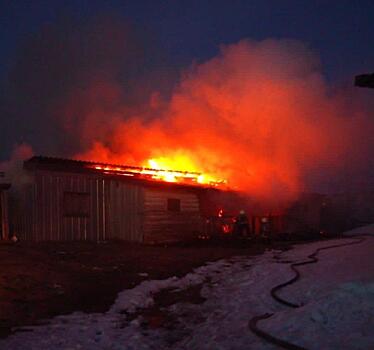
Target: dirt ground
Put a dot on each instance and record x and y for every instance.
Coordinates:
(41, 280)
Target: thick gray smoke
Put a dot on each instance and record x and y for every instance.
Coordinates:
(259, 113)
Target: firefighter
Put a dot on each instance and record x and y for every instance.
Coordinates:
(265, 229)
(242, 224)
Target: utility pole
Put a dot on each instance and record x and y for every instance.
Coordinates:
(365, 80)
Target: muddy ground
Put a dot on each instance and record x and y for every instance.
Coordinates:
(41, 280)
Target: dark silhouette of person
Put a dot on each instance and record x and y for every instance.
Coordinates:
(242, 224)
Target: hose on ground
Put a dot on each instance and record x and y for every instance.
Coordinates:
(268, 337)
(312, 259)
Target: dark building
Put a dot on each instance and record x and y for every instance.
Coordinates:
(76, 200)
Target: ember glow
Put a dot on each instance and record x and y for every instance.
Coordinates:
(187, 171)
(157, 170)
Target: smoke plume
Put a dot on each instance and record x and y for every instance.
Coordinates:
(13, 168)
(259, 114)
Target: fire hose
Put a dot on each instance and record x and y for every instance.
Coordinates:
(312, 259)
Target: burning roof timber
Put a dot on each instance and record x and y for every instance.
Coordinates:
(176, 177)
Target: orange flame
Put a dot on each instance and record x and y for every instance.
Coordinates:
(187, 171)
(157, 169)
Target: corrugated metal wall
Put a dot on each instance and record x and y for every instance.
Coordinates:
(161, 225)
(50, 221)
(125, 207)
(114, 209)
(117, 210)
(4, 226)
(21, 211)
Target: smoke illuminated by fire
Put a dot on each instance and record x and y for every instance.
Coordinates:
(258, 115)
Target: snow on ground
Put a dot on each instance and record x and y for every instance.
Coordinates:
(369, 229)
(337, 294)
(338, 298)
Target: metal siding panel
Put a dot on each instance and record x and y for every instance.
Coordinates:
(52, 206)
(40, 207)
(111, 209)
(97, 210)
(42, 211)
(89, 222)
(34, 212)
(117, 209)
(65, 219)
(82, 221)
(105, 204)
(101, 210)
(121, 226)
(122, 211)
(42, 203)
(93, 230)
(69, 231)
(46, 207)
(162, 225)
(58, 207)
(118, 224)
(75, 220)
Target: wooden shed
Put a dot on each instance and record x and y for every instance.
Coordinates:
(76, 200)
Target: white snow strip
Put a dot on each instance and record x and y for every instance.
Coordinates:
(369, 229)
(337, 294)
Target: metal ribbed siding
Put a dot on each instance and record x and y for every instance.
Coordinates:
(115, 209)
(4, 229)
(118, 210)
(126, 209)
(50, 222)
(21, 212)
(163, 225)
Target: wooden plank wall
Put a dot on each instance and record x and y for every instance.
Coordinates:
(161, 225)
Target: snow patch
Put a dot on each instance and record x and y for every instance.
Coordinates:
(337, 294)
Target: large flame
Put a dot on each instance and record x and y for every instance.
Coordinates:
(259, 115)
(163, 164)
(162, 169)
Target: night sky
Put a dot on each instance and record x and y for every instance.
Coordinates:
(178, 33)
(341, 31)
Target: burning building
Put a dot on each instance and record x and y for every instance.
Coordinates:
(67, 200)
(79, 200)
